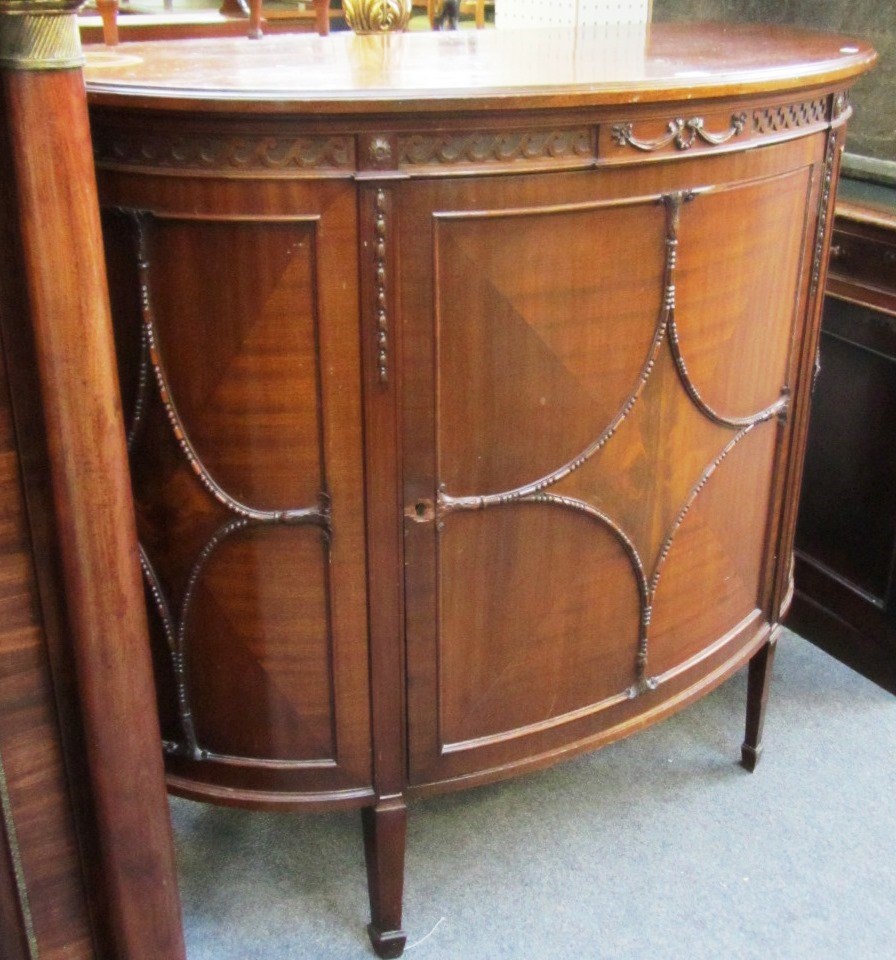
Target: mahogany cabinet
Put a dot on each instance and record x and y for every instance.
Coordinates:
(466, 389)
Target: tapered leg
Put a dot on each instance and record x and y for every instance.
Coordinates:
(758, 679)
(385, 828)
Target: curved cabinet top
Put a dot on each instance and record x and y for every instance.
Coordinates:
(442, 72)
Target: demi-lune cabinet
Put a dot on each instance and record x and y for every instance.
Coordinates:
(466, 388)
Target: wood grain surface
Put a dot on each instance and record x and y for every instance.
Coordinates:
(71, 443)
(438, 72)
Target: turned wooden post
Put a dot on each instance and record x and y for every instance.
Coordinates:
(322, 17)
(108, 11)
(255, 19)
(59, 252)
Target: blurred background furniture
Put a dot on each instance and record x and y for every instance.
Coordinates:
(108, 21)
(164, 19)
(433, 7)
(846, 537)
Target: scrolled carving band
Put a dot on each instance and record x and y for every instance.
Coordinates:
(211, 153)
(495, 147)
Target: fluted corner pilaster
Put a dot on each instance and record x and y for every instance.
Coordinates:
(40, 35)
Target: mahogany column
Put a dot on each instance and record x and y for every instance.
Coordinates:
(61, 261)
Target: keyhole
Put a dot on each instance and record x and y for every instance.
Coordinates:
(420, 512)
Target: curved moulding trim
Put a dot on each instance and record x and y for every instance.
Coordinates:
(539, 727)
(657, 708)
(269, 799)
(592, 709)
(228, 760)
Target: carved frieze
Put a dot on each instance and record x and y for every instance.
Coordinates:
(490, 148)
(259, 156)
(789, 116)
(432, 152)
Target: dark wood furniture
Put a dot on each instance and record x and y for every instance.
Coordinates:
(846, 536)
(466, 391)
(86, 854)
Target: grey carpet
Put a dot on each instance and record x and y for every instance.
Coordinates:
(656, 848)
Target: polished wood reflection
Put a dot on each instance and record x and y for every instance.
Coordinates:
(554, 68)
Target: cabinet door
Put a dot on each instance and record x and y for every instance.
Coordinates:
(597, 370)
(245, 424)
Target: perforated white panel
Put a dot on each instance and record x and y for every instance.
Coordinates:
(566, 55)
(555, 13)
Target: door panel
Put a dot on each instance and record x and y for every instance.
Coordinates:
(245, 426)
(593, 430)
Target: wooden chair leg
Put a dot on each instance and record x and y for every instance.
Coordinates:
(385, 829)
(758, 680)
